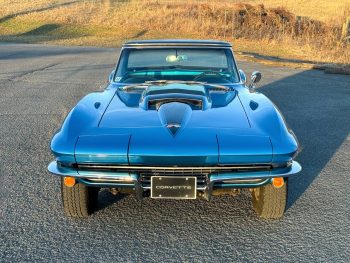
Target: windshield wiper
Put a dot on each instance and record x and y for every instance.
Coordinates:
(189, 82)
(136, 87)
(215, 87)
(147, 84)
(143, 86)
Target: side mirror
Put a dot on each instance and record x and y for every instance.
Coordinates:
(255, 78)
(111, 76)
(242, 76)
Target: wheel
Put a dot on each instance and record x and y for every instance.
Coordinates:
(270, 202)
(79, 200)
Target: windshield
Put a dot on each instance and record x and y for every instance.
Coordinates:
(210, 65)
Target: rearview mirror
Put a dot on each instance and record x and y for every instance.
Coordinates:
(111, 76)
(175, 58)
(255, 78)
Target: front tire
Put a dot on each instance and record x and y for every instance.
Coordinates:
(270, 202)
(80, 200)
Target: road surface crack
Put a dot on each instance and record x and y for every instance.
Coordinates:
(30, 72)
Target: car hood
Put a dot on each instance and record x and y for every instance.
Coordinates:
(187, 106)
(174, 125)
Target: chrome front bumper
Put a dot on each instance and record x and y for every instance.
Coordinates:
(223, 179)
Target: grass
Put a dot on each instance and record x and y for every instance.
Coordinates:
(323, 10)
(266, 30)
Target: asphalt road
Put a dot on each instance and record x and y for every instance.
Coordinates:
(38, 86)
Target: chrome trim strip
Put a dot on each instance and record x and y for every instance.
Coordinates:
(194, 168)
(64, 171)
(246, 184)
(294, 168)
(54, 168)
(242, 181)
(174, 44)
(106, 184)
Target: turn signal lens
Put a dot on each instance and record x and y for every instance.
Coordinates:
(278, 182)
(69, 181)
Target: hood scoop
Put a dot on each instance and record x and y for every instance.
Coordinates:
(174, 116)
(194, 95)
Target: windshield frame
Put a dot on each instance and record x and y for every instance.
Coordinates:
(122, 62)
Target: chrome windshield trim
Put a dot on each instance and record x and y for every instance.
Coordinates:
(177, 45)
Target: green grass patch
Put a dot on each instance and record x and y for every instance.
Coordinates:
(22, 30)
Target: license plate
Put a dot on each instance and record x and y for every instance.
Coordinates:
(173, 187)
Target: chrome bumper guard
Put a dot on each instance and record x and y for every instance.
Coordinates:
(223, 179)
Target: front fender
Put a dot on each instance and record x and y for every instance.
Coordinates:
(84, 116)
(264, 116)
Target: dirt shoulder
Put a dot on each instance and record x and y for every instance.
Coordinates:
(328, 68)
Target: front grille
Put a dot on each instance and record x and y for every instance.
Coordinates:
(173, 170)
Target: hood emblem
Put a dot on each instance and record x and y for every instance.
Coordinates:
(173, 127)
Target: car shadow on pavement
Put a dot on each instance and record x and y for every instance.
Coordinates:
(316, 107)
(106, 198)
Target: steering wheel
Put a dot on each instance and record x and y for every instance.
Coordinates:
(208, 75)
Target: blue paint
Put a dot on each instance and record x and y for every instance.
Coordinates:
(226, 125)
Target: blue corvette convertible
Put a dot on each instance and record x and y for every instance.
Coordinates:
(177, 120)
